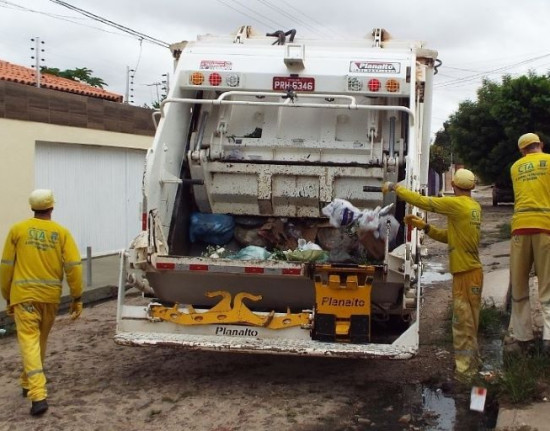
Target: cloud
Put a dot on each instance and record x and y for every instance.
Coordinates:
(472, 37)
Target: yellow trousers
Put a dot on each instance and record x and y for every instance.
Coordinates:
(34, 320)
(467, 287)
(526, 250)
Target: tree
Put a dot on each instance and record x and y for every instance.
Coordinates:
(484, 133)
(82, 74)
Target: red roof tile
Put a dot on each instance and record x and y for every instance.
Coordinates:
(26, 75)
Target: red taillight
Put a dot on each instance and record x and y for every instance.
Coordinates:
(166, 265)
(198, 267)
(374, 85)
(409, 232)
(253, 270)
(143, 221)
(215, 79)
(292, 271)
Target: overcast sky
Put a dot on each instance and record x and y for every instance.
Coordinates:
(474, 38)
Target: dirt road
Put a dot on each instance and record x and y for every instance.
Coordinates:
(97, 385)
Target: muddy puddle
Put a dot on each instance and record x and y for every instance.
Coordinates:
(435, 273)
(393, 407)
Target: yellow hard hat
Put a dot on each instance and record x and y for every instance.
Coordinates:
(527, 139)
(41, 199)
(464, 179)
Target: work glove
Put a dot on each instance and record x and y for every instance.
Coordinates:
(75, 309)
(415, 221)
(388, 187)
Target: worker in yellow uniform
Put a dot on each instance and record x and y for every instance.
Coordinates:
(462, 236)
(36, 253)
(530, 242)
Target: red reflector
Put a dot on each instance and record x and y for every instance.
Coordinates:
(292, 271)
(166, 265)
(144, 221)
(374, 85)
(409, 232)
(197, 267)
(215, 79)
(253, 270)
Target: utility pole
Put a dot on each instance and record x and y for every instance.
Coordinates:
(129, 96)
(166, 83)
(156, 85)
(36, 57)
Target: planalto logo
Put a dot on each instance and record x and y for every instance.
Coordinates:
(336, 302)
(374, 67)
(246, 332)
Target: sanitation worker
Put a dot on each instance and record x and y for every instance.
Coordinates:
(462, 236)
(36, 254)
(530, 243)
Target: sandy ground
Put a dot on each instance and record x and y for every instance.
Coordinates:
(95, 384)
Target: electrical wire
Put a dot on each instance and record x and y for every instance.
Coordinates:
(120, 27)
(289, 15)
(249, 16)
(476, 76)
(323, 26)
(5, 4)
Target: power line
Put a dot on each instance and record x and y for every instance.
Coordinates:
(288, 15)
(6, 4)
(120, 27)
(460, 81)
(249, 16)
(293, 7)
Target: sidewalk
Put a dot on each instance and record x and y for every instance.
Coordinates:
(535, 416)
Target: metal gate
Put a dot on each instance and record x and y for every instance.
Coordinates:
(97, 191)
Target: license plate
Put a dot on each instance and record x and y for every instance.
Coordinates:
(285, 83)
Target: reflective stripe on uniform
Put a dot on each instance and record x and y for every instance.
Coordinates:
(8, 262)
(71, 264)
(34, 372)
(38, 281)
(536, 210)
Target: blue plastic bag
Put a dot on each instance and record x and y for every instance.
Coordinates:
(214, 229)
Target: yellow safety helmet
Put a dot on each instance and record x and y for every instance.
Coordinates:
(464, 179)
(41, 199)
(527, 139)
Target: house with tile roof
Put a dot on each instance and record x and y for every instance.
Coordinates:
(25, 75)
(84, 144)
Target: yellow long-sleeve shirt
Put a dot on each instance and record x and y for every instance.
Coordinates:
(463, 226)
(36, 254)
(531, 180)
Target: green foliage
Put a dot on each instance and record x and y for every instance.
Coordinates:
(440, 159)
(491, 319)
(522, 376)
(484, 133)
(82, 74)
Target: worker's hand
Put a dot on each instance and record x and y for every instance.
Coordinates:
(388, 187)
(415, 221)
(75, 309)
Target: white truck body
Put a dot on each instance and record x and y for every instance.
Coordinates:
(265, 131)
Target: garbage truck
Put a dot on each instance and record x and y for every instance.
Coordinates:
(260, 135)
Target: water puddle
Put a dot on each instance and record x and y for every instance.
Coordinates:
(435, 273)
(418, 406)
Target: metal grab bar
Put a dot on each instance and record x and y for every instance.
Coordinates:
(352, 105)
